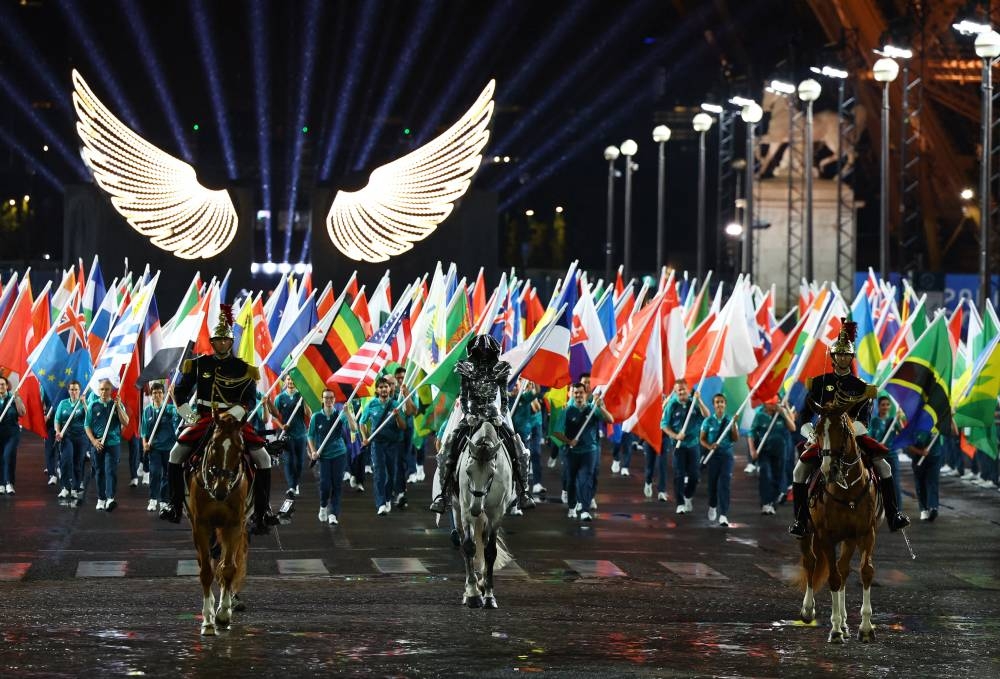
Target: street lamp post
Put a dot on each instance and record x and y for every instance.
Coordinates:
(809, 91)
(702, 123)
(661, 135)
(611, 155)
(628, 149)
(884, 71)
(988, 49)
(751, 115)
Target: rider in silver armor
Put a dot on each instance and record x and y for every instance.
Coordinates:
(484, 378)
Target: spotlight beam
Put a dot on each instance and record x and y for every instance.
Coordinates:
(206, 52)
(15, 34)
(140, 31)
(358, 55)
(81, 27)
(261, 93)
(312, 19)
(579, 68)
(503, 14)
(35, 164)
(404, 63)
(54, 140)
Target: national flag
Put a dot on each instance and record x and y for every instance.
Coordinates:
(866, 344)
(64, 294)
(605, 308)
(119, 350)
(7, 298)
(955, 325)
(71, 327)
(15, 338)
(165, 362)
(190, 304)
(243, 341)
(337, 337)
(351, 287)
(727, 349)
(546, 360)
(920, 384)
(363, 367)
(479, 295)
(533, 311)
(644, 421)
(324, 301)
(444, 377)
(976, 407)
(41, 315)
(100, 326)
(380, 302)
(586, 336)
(277, 304)
(360, 308)
(284, 347)
(770, 373)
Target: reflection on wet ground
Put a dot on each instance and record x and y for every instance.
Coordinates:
(403, 627)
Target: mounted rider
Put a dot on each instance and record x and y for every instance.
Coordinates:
(226, 384)
(842, 384)
(484, 378)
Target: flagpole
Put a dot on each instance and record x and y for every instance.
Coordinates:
(62, 432)
(170, 396)
(763, 439)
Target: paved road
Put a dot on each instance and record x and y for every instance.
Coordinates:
(639, 592)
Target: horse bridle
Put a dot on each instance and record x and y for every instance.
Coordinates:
(233, 478)
(842, 467)
(492, 459)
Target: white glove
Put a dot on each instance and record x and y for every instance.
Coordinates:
(807, 431)
(185, 411)
(860, 429)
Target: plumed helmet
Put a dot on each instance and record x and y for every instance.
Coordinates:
(483, 347)
(224, 326)
(845, 340)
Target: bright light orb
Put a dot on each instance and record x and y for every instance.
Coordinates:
(405, 200)
(157, 194)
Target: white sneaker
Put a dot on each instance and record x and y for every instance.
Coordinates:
(564, 497)
(63, 493)
(323, 515)
(688, 505)
(360, 488)
(76, 494)
(723, 521)
(296, 491)
(585, 516)
(388, 507)
(750, 468)
(593, 503)
(662, 497)
(145, 479)
(682, 509)
(382, 511)
(515, 511)
(10, 489)
(552, 462)
(151, 507)
(412, 478)
(368, 469)
(53, 480)
(571, 513)
(348, 477)
(615, 466)
(134, 482)
(713, 513)
(332, 520)
(767, 509)
(421, 475)
(625, 471)
(537, 488)
(924, 515)
(647, 489)
(946, 470)
(101, 504)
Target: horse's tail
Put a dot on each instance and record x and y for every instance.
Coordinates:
(504, 556)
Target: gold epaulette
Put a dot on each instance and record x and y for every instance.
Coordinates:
(188, 366)
(871, 391)
(253, 373)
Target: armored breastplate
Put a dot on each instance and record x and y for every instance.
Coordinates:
(223, 381)
(481, 385)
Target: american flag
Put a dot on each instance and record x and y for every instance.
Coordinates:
(391, 341)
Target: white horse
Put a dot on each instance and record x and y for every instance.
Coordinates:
(826, 130)
(485, 491)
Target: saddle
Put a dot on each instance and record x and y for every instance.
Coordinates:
(816, 485)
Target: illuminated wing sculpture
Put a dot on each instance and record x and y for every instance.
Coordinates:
(157, 194)
(405, 200)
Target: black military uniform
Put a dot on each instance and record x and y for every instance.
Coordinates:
(484, 376)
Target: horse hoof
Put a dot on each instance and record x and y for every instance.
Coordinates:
(866, 637)
(807, 616)
(456, 539)
(222, 624)
(208, 630)
(475, 601)
(490, 602)
(846, 631)
(836, 638)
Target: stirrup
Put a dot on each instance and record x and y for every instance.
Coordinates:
(171, 514)
(897, 522)
(799, 529)
(440, 504)
(525, 501)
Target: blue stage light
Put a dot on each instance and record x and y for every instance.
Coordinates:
(306, 246)
(23, 104)
(148, 54)
(103, 72)
(404, 63)
(312, 21)
(580, 67)
(206, 51)
(33, 163)
(502, 15)
(356, 60)
(14, 34)
(261, 94)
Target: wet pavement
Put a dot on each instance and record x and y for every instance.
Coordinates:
(638, 592)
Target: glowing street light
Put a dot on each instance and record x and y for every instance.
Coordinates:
(661, 135)
(628, 149)
(884, 71)
(611, 154)
(702, 123)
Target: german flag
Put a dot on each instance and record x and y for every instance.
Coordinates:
(337, 338)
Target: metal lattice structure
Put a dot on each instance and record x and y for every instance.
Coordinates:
(846, 209)
(725, 195)
(911, 256)
(796, 201)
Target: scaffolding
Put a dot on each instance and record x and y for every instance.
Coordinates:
(796, 201)
(911, 255)
(846, 212)
(725, 194)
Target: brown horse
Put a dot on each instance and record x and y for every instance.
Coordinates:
(845, 512)
(217, 507)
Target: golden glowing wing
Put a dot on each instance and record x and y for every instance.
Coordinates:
(157, 194)
(406, 199)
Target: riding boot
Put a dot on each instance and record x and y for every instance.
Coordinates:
(524, 499)
(262, 518)
(175, 488)
(800, 504)
(895, 518)
(447, 471)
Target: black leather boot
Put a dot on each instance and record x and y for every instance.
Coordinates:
(175, 488)
(895, 518)
(800, 503)
(263, 518)
(524, 499)
(441, 502)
